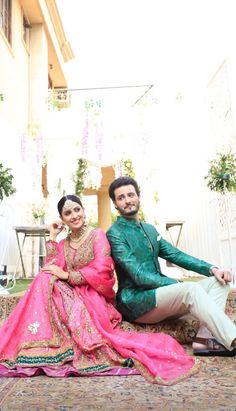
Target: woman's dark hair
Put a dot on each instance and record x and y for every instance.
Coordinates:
(122, 181)
(71, 197)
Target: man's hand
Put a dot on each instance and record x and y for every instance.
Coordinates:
(223, 276)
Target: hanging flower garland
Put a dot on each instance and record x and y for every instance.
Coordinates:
(92, 137)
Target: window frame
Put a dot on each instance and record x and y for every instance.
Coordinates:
(25, 31)
(5, 19)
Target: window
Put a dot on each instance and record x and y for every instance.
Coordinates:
(25, 31)
(5, 18)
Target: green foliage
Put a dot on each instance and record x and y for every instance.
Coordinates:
(221, 175)
(128, 168)
(79, 177)
(141, 215)
(113, 217)
(156, 197)
(61, 190)
(6, 187)
(52, 100)
(92, 223)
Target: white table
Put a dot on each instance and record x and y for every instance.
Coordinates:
(40, 231)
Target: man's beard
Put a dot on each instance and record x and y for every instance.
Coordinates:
(128, 213)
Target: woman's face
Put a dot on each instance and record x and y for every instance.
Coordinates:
(73, 215)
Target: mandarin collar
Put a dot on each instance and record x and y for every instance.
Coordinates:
(129, 221)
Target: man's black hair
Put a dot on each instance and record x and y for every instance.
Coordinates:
(122, 181)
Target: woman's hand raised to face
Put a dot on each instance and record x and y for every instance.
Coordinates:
(56, 228)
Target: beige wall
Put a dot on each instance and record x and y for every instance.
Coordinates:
(24, 70)
(38, 74)
(14, 74)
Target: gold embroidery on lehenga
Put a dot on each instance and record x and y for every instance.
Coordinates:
(76, 278)
(51, 248)
(83, 254)
(101, 289)
(105, 250)
(157, 379)
(33, 328)
(67, 294)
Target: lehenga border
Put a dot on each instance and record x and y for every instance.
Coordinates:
(158, 380)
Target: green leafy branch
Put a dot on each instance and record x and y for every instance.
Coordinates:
(221, 175)
(6, 187)
(80, 175)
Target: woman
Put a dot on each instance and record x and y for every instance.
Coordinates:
(66, 323)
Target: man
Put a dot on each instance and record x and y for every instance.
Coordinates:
(145, 295)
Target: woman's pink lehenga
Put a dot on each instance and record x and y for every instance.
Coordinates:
(62, 329)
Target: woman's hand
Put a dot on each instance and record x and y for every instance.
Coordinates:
(56, 228)
(55, 270)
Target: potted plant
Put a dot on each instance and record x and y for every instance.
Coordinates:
(6, 187)
(221, 175)
(38, 213)
(221, 178)
(6, 190)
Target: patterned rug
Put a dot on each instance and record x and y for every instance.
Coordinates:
(213, 388)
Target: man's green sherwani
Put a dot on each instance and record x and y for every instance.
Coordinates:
(135, 248)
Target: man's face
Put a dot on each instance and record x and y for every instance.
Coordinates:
(127, 201)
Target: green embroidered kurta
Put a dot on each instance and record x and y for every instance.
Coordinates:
(135, 248)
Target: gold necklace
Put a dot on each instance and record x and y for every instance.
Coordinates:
(75, 240)
(78, 235)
